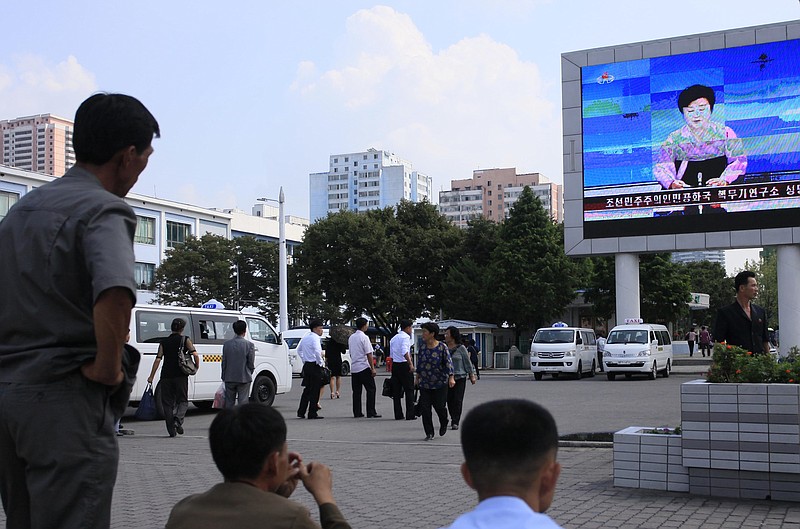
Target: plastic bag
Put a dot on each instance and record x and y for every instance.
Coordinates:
(147, 406)
(219, 397)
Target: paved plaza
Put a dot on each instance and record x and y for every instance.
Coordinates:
(386, 476)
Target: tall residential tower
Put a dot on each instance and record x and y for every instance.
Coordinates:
(41, 144)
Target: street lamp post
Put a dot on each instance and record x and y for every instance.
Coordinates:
(283, 299)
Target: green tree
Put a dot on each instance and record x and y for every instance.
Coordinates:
(767, 276)
(532, 278)
(664, 288)
(601, 288)
(206, 267)
(709, 278)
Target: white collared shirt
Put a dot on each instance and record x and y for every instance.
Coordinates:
(310, 348)
(360, 347)
(504, 512)
(399, 346)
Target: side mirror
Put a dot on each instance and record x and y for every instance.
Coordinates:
(580, 341)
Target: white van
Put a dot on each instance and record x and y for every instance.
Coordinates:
(292, 338)
(209, 329)
(640, 348)
(557, 350)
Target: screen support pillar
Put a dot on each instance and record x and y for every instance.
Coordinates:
(626, 266)
(788, 297)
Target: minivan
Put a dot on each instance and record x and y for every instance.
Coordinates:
(209, 329)
(568, 350)
(641, 348)
(292, 338)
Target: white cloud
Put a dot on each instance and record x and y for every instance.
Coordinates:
(473, 104)
(33, 85)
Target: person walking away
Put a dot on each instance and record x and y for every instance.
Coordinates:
(402, 372)
(705, 341)
(68, 287)
(363, 370)
(238, 364)
(691, 337)
(174, 382)
(510, 449)
(310, 352)
(434, 376)
(601, 348)
(473, 351)
(462, 369)
(333, 357)
(743, 323)
(248, 445)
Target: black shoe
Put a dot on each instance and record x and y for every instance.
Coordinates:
(358, 416)
(429, 438)
(399, 418)
(317, 417)
(172, 434)
(454, 427)
(301, 416)
(411, 418)
(443, 428)
(179, 429)
(376, 416)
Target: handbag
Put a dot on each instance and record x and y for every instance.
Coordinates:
(325, 375)
(147, 406)
(387, 388)
(186, 359)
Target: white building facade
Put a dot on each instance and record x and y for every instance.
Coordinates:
(365, 180)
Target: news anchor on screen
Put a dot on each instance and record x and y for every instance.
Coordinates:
(702, 152)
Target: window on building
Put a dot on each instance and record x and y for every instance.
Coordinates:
(489, 193)
(490, 202)
(177, 232)
(336, 160)
(346, 159)
(355, 163)
(374, 156)
(145, 275)
(499, 186)
(145, 230)
(7, 199)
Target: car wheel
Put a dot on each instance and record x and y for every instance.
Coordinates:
(555, 375)
(537, 376)
(203, 404)
(653, 372)
(345, 368)
(594, 368)
(579, 372)
(264, 390)
(611, 376)
(667, 369)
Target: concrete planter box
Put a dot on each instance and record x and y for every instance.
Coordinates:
(649, 461)
(742, 440)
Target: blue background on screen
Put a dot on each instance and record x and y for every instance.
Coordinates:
(626, 120)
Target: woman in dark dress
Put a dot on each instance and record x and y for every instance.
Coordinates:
(333, 357)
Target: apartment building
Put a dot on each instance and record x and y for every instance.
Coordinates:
(491, 193)
(366, 180)
(40, 144)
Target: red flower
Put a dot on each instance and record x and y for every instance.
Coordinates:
(738, 371)
(788, 370)
(729, 346)
(791, 380)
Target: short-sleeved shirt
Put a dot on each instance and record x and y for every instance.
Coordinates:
(399, 346)
(360, 347)
(61, 246)
(310, 349)
(504, 512)
(434, 366)
(735, 328)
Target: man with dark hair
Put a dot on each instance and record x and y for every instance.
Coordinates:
(248, 444)
(362, 370)
(66, 263)
(310, 352)
(743, 323)
(402, 372)
(238, 364)
(510, 461)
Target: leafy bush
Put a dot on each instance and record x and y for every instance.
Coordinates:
(734, 364)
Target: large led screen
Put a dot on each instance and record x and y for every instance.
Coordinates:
(706, 141)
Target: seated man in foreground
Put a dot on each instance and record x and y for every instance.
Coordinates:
(248, 445)
(510, 460)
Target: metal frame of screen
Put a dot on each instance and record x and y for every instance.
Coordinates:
(643, 234)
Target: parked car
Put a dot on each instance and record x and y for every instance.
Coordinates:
(568, 350)
(642, 348)
(292, 337)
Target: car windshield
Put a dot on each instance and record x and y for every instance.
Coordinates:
(627, 336)
(292, 342)
(554, 336)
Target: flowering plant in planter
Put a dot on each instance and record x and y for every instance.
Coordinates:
(731, 363)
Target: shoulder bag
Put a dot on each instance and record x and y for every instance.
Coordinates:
(186, 359)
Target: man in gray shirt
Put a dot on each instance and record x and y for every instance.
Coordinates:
(238, 364)
(66, 273)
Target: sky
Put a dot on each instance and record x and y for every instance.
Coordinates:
(252, 95)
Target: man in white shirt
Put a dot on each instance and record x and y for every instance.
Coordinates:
(402, 372)
(310, 352)
(362, 370)
(510, 460)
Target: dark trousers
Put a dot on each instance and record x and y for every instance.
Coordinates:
(174, 401)
(691, 348)
(474, 362)
(402, 383)
(455, 399)
(363, 380)
(436, 398)
(705, 348)
(312, 383)
(58, 454)
(236, 393)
